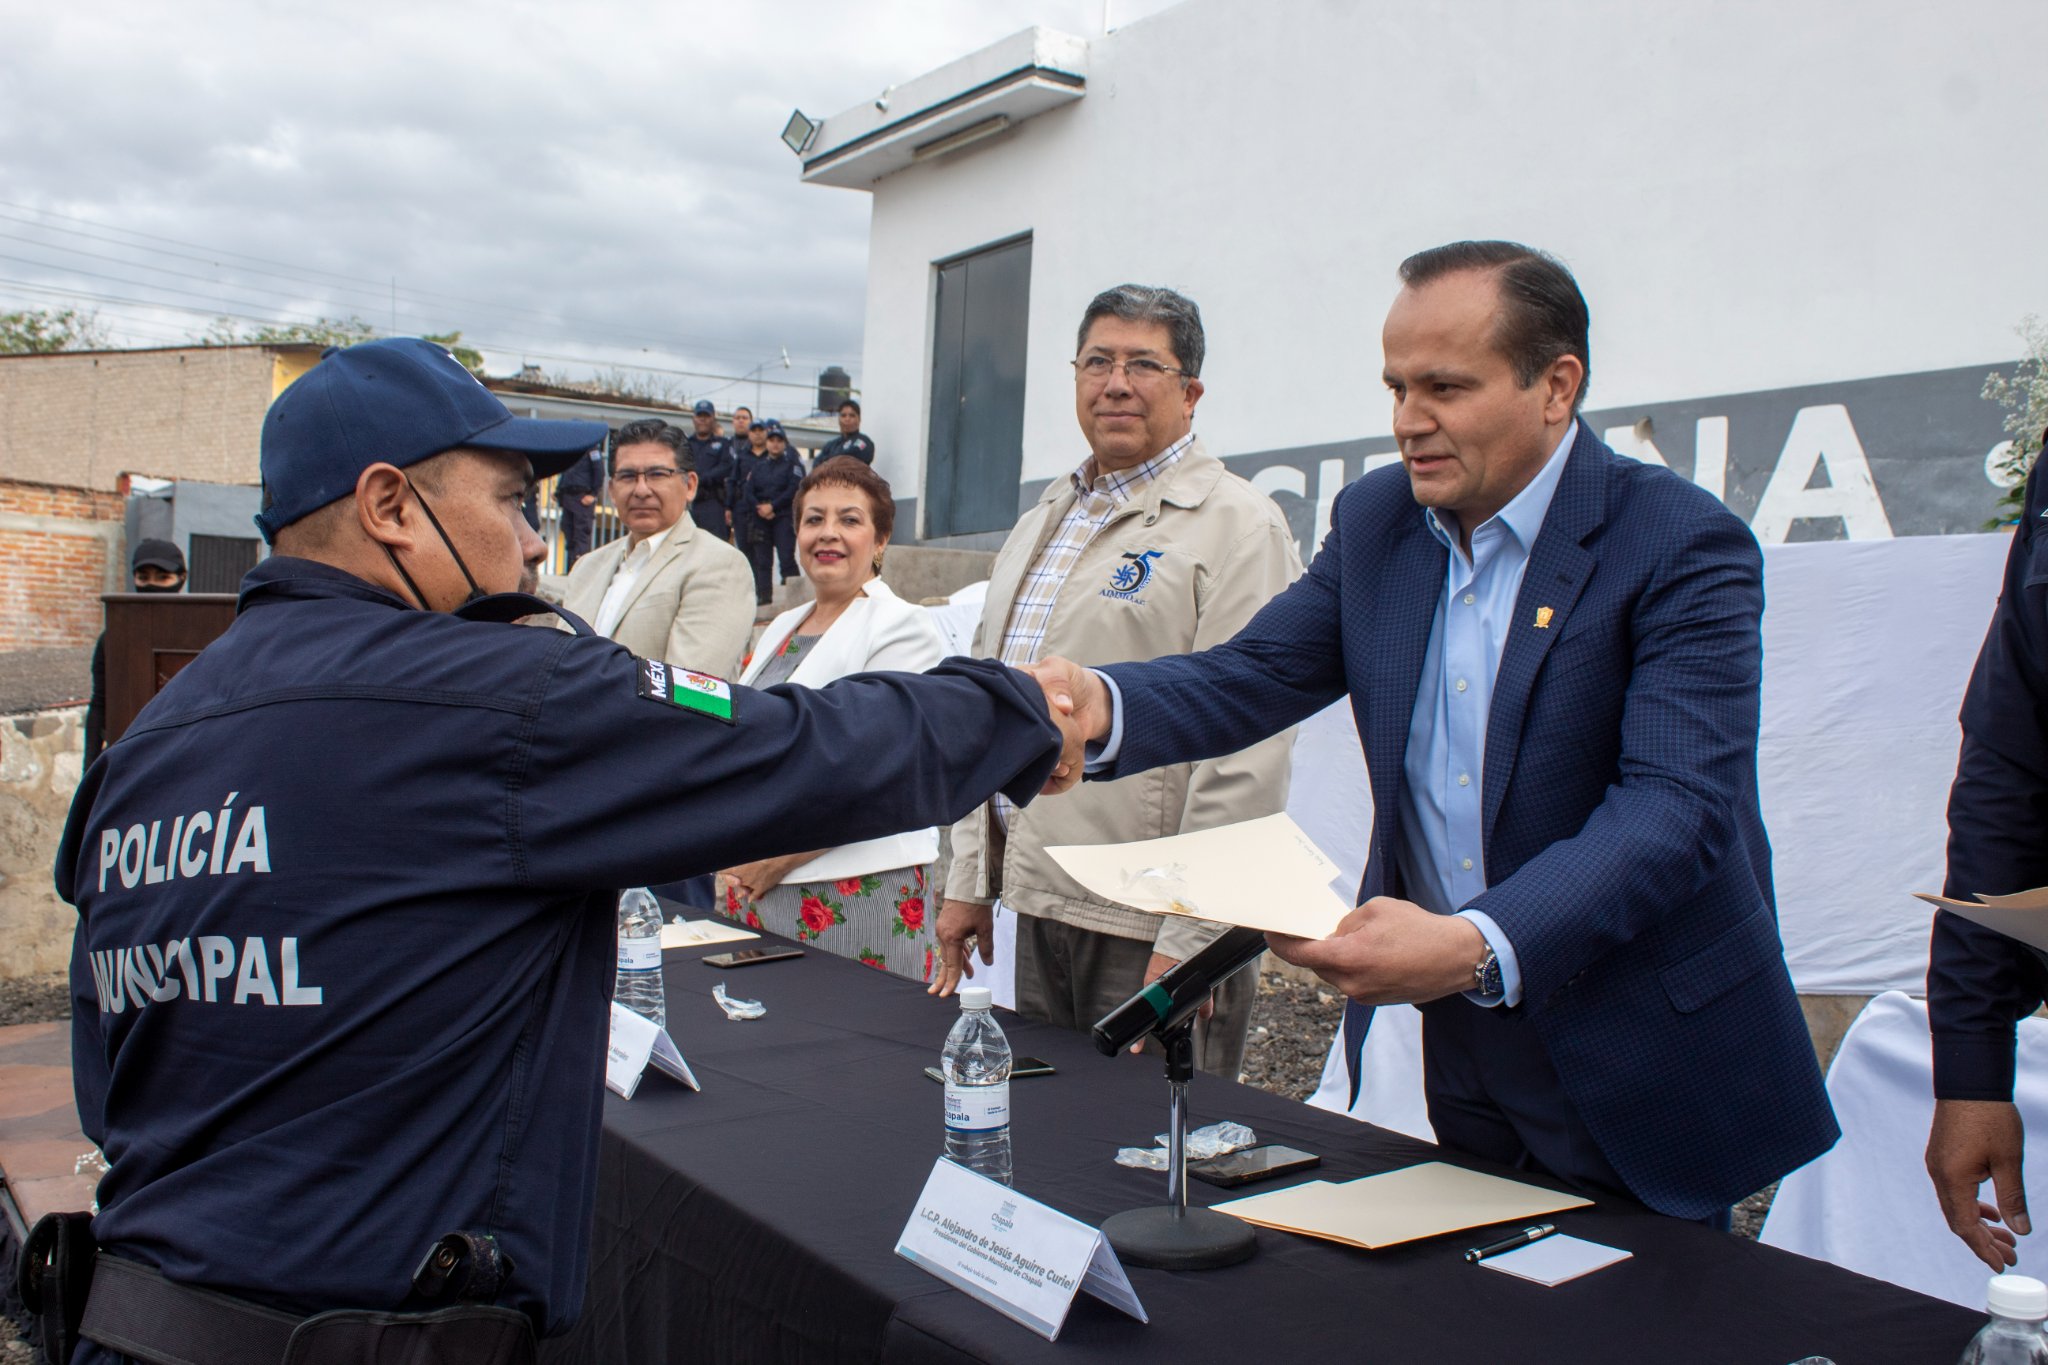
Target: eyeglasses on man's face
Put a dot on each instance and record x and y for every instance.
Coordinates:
(1096, 369)
(655, 477)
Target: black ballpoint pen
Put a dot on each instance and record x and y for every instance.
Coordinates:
(1535, 1232)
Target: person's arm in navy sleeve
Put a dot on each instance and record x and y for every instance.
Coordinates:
(1981, 983)
(89, 1071)
(622, 790)
(96, 706)
(793, 474)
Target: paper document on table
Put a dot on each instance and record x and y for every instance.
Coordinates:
(2022, 915)
(1399, 1206)
(695, 933)
(1259, 874)
(1554, 1260)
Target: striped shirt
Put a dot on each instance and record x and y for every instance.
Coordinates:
(1096, 500)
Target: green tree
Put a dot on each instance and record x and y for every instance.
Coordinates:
(41, 331)
(2024, 396)
(325, 332)
(471, 358)
(328, 332)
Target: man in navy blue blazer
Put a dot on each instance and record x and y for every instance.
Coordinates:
(1980, 984)
(1554, 656)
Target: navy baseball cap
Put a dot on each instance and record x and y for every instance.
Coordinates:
(771, 426)
(704, 408)
(396, 401)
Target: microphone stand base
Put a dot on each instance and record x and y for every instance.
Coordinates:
(1166, 1238)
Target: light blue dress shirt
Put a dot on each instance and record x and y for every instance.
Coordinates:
(1442, 853)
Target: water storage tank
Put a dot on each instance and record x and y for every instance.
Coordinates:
(835, 385)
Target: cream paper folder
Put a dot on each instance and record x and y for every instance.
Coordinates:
(1257, 874)
(2022, 915)
(1399, 1206)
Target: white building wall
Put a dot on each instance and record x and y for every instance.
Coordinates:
(1753, 196)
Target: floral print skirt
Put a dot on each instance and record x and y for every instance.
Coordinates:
(881, 918)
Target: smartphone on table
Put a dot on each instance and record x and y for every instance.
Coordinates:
(747, 957)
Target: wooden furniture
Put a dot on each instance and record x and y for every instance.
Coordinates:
(150, 636)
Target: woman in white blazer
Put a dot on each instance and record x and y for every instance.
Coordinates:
(868, 901)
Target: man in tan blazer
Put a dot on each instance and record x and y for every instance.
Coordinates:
(666, 590)
(1150, 547)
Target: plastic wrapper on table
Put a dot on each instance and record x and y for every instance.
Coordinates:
(737, 1009)
(1214, 1140)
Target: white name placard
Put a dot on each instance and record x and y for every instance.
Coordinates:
(637, 1043)
(1013, 1253)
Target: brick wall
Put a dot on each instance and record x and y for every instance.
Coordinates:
(55, 548)
(84, 420)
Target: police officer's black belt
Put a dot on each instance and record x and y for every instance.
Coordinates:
(136, 1311)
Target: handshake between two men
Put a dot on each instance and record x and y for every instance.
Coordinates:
(1386, 951)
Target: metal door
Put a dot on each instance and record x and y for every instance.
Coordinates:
(976, 459)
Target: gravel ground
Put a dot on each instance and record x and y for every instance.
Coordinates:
(35, 999)
(36, 679)
(1292, 1024)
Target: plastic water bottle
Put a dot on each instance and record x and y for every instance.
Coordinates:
(977, 1067)
(2018, 1303)
(639, 988)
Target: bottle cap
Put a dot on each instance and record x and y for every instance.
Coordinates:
(980, 998)
(2017, 1296)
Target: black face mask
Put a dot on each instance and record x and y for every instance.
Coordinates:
(159, 587)
(475, 592)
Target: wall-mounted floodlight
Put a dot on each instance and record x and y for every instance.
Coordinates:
(799, 133)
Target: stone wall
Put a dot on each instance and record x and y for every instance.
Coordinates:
(39, 770)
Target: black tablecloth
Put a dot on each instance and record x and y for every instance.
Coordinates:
(758, 1219)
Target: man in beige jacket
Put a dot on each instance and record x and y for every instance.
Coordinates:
(667, 590)
(1151, 547)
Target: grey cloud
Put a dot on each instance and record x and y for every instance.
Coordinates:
(598, 179)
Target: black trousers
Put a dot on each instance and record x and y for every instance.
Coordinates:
(577, 524)
(709, 514)
(765, 541)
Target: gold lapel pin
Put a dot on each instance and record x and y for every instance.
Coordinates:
(1543, 615)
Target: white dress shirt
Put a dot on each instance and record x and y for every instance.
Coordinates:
(624, 579)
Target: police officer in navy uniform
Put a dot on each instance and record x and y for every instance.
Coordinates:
(714, 455)
(763, 522)
(1980, 984)
(347, 888)
(576, 494)
(850, 440)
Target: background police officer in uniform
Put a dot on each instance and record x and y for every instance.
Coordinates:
(714, 456)
(347, 886)
(763, 519)
(576, 494)
(850, 440)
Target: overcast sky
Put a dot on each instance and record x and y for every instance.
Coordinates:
(572, 185)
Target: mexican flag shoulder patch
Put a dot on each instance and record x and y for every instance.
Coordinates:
(679, 687)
